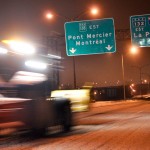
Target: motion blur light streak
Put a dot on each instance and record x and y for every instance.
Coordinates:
(36, 64)
(54, 56)
(23, 77)
(79, 99)
(3, 50)
(29, 74)
(20, 47)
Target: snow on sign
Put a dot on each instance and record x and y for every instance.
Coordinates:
(90, 37)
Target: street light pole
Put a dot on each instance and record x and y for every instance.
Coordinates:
(74, 73)
(140, 69)
(123, 77)
(133, 50)
(93, 11)
(73, 57)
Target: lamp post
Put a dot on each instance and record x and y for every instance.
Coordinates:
(93, 11)
(133, 50)
(124, 87)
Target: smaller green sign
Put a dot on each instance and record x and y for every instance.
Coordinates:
(140, 30)
(90, 37)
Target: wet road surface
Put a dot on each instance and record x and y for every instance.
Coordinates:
(107, 126)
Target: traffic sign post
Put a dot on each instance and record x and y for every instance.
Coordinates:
(140, 30)
(90, 37)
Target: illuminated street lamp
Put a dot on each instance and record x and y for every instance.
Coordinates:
(134, 50)
(49, 15)
(145, 81)
(94, 11)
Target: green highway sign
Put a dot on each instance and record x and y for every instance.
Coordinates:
(140, 30)
(90, 37)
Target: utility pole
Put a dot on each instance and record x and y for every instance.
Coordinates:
(124, 87)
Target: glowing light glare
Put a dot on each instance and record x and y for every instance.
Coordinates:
(94, 11)
(20, 47)
(134, 50)
(49, 16)
(36, 64)
(133, 90)
(3, 50)
(132, 84)
(95, 93)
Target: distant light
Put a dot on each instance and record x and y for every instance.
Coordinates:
(20, 47)
(132, 87)
(94, 11)
(3, 50)
(132, 84)
(36, 64)
(95, 92)
(49, 16)
(118, 82)
(133, 90)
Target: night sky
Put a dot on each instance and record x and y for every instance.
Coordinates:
(25, 19)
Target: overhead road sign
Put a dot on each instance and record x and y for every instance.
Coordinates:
(90, 37)
(140, 30)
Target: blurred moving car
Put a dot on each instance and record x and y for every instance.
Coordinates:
(79, 99)
(36, 114)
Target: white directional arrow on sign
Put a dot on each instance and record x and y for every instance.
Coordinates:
(73, 50)
(108, 47)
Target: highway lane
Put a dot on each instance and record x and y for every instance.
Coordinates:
(108, 125)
